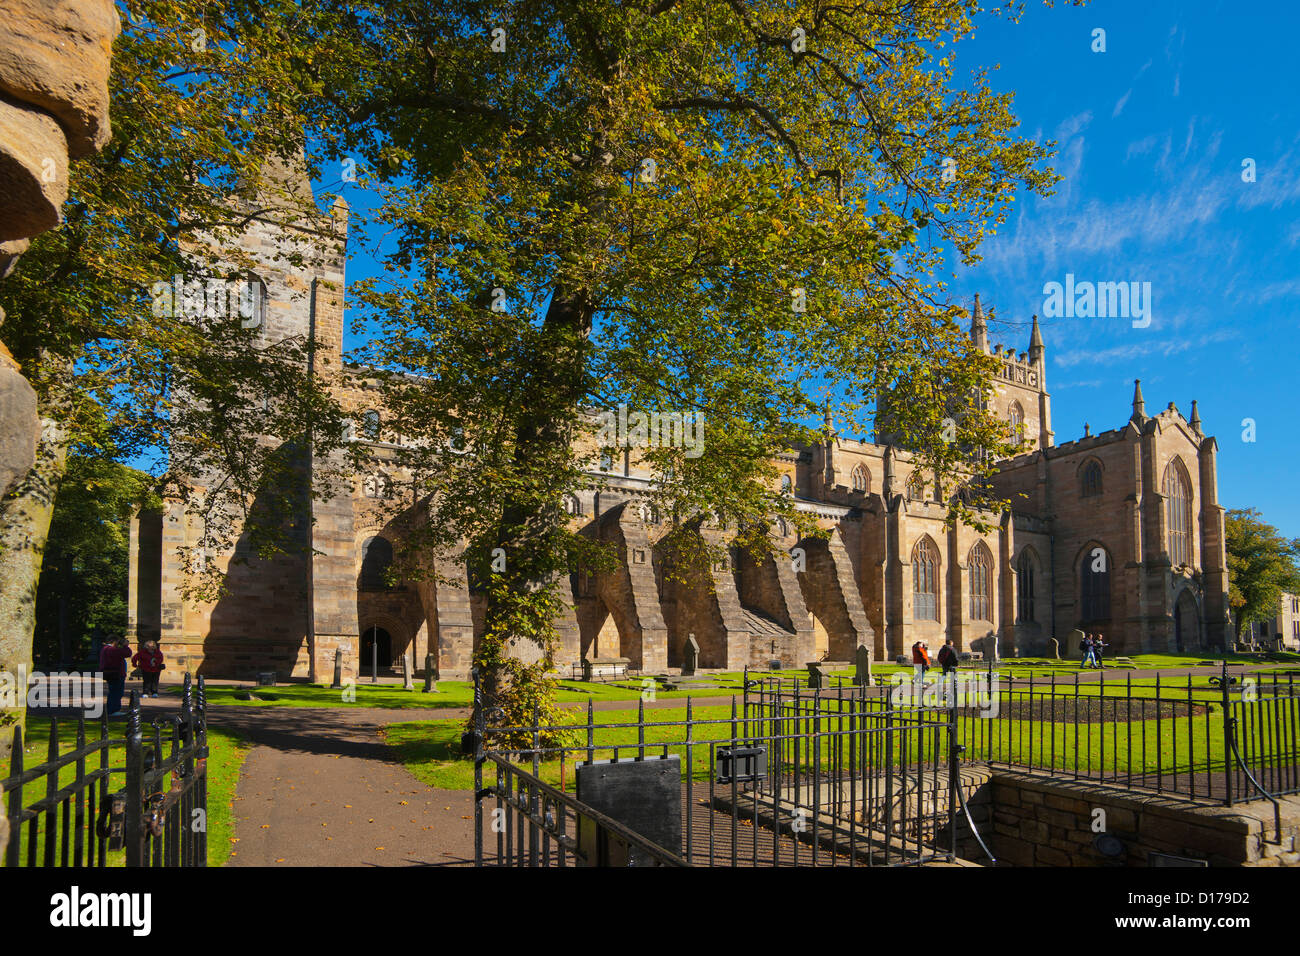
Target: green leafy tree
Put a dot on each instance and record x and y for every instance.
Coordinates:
(732, 209)
(83, 589)
(1262, 563)
(199, 101)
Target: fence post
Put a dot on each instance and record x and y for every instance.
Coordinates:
(480, 728)
(134, 784)
(1228, 730)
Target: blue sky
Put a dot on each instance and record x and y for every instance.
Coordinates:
(1152, 134)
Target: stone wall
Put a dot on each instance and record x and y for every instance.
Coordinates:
(1038, 821)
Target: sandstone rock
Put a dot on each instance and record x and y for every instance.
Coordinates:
(54, 54)
(19, 425)
(9, 253)
(33, 172)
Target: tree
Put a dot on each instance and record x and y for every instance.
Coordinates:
(1262, 563)
(732, 210)
(199, 103)
(84, 587)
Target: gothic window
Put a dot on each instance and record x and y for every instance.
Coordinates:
(925, 581)
(787, 486)
(916, 487)
(861, 479)
(1025, 587)
(1016, 415)
(376, 559)
(1094, 584)
(980, 572)
(1090, 479)
(572, 505)
(1178, 513)
(370, 425)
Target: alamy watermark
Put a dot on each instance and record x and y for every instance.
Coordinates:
(210, 298)
(1101, 300)
(81, 691)
(619, 429)
(976, 691)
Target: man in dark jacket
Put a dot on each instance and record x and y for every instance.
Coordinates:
(948, 657)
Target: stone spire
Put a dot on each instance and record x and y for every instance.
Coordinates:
(1139, 404)
(979, 332)
(282, 182)
(1195, 420)
(828, 422)
(1036, 344)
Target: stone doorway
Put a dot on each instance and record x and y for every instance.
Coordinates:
(376, 639)
(1187, 623)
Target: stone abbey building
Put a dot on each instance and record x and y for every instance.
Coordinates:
(1118, 532)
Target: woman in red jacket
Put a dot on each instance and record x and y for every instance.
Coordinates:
(150, 661)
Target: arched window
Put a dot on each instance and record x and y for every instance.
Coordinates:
(1178, 513)
(1094, 584)
(861, 479)
(370, 425)
(980, 574)
(572, 505)
(787, 486)
(925, 581)
(1025, 587)
(1090, 479)
(1016, 416)
(376, 559)
(916, 487)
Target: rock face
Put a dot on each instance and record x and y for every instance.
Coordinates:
(54, 61)
(54, 55)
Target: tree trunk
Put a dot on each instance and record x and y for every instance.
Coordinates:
(24, 526)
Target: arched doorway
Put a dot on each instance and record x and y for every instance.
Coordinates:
(376, 639)
(1187, 623)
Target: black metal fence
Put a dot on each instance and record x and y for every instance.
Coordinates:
(881, 775)
(158, 817)
(789, 777)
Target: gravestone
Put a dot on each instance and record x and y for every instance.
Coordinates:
(690, 656)
(819, 675)
(1056, 648)
(1076, 638)
(408, 682)
(862, 667)
(338, 670)
(430, 673)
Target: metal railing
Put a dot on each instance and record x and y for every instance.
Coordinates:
(788, 777)
(158, 817)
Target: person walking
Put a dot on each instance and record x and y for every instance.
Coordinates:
(1097, 645)
(149, 659)
(112, 663)
(920, 660)
(948, 657)
(1085, 646)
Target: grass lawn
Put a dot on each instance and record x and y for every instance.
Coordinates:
(226, 755)
(453, 693)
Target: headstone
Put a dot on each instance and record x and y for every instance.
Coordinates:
(1076, 638)
(1056, 648)
(690, 657)
(819, 675)
(862, 667)
(991, 647)
(408, 682)
(430, 673)
(338, 670)
(586, 670)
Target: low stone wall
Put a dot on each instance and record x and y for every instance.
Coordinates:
(1038, 821)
